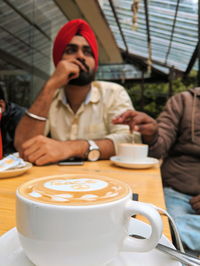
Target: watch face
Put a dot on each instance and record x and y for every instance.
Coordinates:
(94, 155)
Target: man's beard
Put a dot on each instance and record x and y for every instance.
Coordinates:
(83, 79)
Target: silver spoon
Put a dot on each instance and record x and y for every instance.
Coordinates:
(185, 258)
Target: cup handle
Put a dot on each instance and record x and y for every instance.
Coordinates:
(143, 245)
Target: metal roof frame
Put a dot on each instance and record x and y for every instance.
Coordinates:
(168, 32)
(171, 46)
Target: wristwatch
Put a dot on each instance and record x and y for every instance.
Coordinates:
(93, 153)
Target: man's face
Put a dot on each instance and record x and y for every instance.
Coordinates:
(79, 49)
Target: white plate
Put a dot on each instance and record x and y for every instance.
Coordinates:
(147, 163)
(16, 171)
(11, 253)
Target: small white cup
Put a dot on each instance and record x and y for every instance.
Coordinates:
(80, 235)
(133, 151)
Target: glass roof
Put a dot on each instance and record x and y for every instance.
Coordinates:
(173, 30)
(27, 29)
(120, 72)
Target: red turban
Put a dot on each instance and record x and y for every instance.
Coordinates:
(67, 32)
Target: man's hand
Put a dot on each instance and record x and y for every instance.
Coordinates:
(195, 203)
(41, 150)
(65, 71)
(139, 121)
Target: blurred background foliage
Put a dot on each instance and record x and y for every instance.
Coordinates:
(151, 97)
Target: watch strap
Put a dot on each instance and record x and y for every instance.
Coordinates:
(92, 145)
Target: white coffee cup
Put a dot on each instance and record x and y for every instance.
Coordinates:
(80, 220)
(133, 151)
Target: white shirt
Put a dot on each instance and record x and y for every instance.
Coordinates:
(93, 120)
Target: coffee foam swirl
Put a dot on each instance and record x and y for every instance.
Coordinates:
(74, 190)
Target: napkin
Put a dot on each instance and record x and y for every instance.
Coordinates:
(11, 162)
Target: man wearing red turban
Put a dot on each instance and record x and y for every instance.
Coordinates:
(72, 116)
(67, 32)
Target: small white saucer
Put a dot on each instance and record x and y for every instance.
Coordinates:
(146, 163)
(16, 171)
(12, 254)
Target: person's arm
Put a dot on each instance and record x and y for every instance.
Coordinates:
(41, 150)
(140, 122)
(160, 134)
(30, 127)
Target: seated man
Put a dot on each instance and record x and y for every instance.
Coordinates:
(71, 109)
(175, 137)
(11, 114)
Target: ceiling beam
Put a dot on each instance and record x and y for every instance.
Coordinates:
(196, 54)
(27, 19)
(13, 60)
(118, 24)
(193, 59)
(141, 62)
(26, 44)
(198, 73)
(90, 11)
(13, 72)
(149, 45)
(69, 8)
(172, 32)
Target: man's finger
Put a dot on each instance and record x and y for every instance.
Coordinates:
(44, 159)
(128, 115)
(33, 157)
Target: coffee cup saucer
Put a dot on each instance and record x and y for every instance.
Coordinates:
(12, 254)
(147, 162)
(16, 171)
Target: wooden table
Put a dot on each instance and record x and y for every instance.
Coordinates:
(147, 183)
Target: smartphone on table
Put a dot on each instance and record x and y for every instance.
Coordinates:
(71, 161)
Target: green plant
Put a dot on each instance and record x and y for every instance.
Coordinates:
(155, 95)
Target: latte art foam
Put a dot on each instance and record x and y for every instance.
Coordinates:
(74, 190)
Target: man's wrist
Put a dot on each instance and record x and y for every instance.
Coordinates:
(93, 153)
(36, 117)
(75, 148)
(53, 84)
(150, 140)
